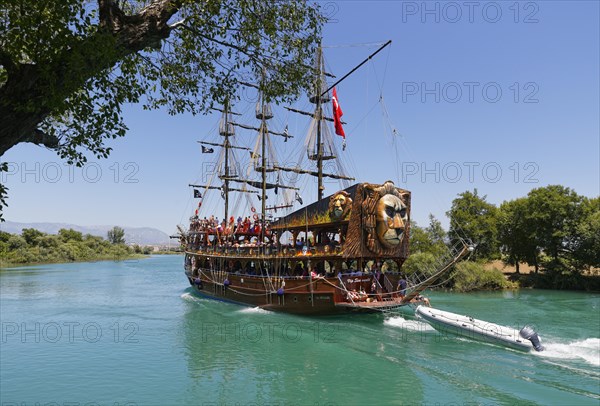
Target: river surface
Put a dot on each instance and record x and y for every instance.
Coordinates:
(133, 333)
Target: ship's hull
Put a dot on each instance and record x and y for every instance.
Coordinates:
(322, 259)
(294, 295)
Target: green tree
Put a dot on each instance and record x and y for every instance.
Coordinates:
(48, 241)
(516, 234)
(553, 227)
(474, 219)
(431, 239)
(116, 235)
(16, 242)
(93, 242)
(427, 246)
(65, 247)
(67, 67)
(69, 235)
(31, 235)
(586, 241)
(554, 213)
(418, 239)
(4, 236)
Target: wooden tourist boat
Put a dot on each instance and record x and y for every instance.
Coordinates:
(342, 253)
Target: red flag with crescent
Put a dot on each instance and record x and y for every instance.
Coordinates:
(337, 115)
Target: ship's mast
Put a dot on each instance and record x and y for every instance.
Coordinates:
(263, 135)
(226, 133)
(263, 113)
(318, 117)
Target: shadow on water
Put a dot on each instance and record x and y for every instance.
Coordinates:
(290, 357)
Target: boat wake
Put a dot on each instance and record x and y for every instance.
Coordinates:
(411, 325)
(190, 297)
(253, 310)
(587, 350)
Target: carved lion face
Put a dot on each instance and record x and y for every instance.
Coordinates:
(392, 218)
(339, 205)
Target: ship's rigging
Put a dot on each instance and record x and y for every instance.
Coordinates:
(353, 229)
(319, 149)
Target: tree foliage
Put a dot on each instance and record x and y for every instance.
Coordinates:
(427, 246)
(430, 244)
(34, 246)
(31, 235)
(474, 219)
(116, 235)
(67, 235)
(431, 239)
(67, 67)
(553, 227)
(516, 237)
(586, 247)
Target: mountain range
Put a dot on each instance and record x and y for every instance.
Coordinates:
(133, 235)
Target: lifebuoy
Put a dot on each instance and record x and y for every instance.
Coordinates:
(255, 217)
(253, 210)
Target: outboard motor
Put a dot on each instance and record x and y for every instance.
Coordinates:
(529, 333)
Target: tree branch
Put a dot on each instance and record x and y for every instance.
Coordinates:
(39, 137)
(225, 44)
(177, 24)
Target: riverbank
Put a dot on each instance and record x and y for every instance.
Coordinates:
(34, 247)
(587, 280)
(7, 265)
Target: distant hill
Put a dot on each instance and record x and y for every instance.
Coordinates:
(133, 235)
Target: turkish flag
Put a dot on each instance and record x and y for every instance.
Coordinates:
(337, 115)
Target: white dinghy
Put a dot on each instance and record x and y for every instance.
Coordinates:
(469, 327)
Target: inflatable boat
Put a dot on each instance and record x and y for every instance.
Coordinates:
(468, 327)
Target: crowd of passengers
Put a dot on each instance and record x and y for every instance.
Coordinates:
(246, 234)
(212, 225)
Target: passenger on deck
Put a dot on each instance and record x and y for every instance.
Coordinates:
(314, 274)
(362, 295)
(401, 286)
(423, 299)
(352, 296)
(298, 269)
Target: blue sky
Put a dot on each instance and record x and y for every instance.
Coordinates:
(498, 96)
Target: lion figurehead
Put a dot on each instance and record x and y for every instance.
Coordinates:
(392, 217)
(339, 205)
(385, 216)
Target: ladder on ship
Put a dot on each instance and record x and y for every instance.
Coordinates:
(417, 282)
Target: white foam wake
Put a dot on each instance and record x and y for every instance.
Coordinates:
(189, 297)
(254, 310)
(587, 350)
(411, 325)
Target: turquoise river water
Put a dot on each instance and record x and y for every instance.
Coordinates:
(133, 333)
